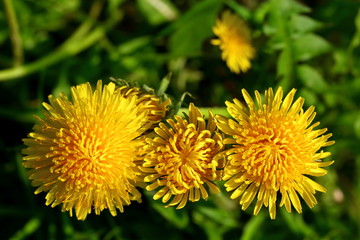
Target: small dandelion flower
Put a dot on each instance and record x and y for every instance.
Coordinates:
(181, 159)
(274, 147)
(82, 153)
(157, 109)
(234, 42)
(151, 103)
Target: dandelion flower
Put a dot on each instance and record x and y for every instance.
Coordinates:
(151, 103)
(234, 41)
(82, 152)
(274, 148)
(181, 159)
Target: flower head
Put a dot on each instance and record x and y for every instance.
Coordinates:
(82, 152)
(181, 158)
(155, 107)
(234, 41)
(274, 147)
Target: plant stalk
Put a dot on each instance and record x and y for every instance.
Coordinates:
(14, 31)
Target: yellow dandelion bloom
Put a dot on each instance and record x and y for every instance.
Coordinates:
(181, 159)
(156, 108)
(274, 147)
(82, 153)
(234, 42)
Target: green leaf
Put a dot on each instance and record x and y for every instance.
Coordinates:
(178, 105)
(261, 12)
(341, 62)
(285, 69)
(309, 46)
(218, 215)
(297, 224)
(131, 46)
(331, 99)
(283, 63)
(280, 13)
(252, 226)
(158, 11)
(114, 4)
(311, 78)
(29, 228)
(353, 57)
(304, 24)
(193, 28)
(290, 6)
(214, 221)
(357, 125)
(356, 39)
(239, 9)
(164, 85)
(179, 218)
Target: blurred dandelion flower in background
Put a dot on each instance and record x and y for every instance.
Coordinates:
(234, 42)
(181, 158)
(82, 153)
(274, 145)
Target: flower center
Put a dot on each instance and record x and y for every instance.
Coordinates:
(271, 154)
(78, 154)
(87, 154)
(187, 158)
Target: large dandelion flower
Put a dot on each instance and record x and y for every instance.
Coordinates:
(181, 159)
(274, 147)
(234, 41)
(82, 153)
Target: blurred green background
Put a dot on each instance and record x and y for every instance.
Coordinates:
(46, 46)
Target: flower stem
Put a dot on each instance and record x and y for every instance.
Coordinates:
(288, 52)
(63, 52)
(15, 36)
(77, 42)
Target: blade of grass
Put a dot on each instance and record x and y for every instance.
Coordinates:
(297, 225)
(76, 43)
(15, 36)
(29, 228)
(253, 226)
(68, 49)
